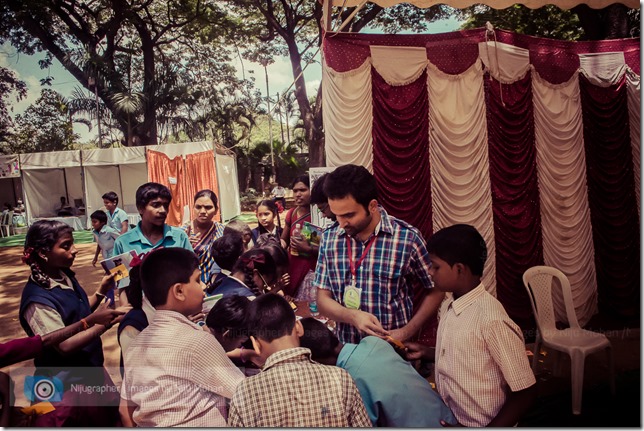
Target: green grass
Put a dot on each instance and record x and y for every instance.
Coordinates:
(80, 237)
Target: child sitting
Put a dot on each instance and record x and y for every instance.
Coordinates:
(225, 251)
(482, 372)
(104, 235)
(244, 230)
(399, 397)
(291, 390)
(176, 374)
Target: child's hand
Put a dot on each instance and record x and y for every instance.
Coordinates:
(415, 351)
(197, 317)
(107, 283)
(103, 315)
(94, 261)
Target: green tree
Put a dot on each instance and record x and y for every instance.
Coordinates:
(44, 126)
(126, 47)
(9, 84)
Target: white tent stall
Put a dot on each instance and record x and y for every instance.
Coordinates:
(229, 200)
(46, 177)
(121, 170)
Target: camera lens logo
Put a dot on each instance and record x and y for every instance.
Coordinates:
(39, 388)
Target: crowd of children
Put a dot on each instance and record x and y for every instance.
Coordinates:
(248, 361)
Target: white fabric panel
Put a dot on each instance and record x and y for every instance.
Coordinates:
(43, 189)
(634, 118)
(565, 215)
(348, 113)
(506, 63)
(458, 154)
(496, 4)
(228, 186)
(58, 159)
(74, 178)
(182, 149)
(603, 68)
(113, 156)
(98, 181)
(9, 166)
(399, 65)
(132, 177)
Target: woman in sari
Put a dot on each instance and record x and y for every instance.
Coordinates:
(203, 230)
(302, 255)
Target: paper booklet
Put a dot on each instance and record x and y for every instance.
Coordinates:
(121, 266)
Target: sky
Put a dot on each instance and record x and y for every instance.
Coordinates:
(280, 75)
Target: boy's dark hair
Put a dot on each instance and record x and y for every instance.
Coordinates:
(318, 339)
(229, 314)
(351, 180)
(304, 179)
(164, 267)
(112, 197)
(459, 243)
(237, 226)
(149, 191)
(207, 193)
(317, 191)
(270, 317)
(134, 290)
(227, 249)
(99, 215)
(255, 259)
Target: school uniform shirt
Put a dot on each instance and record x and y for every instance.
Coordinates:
(115, 221)
(394, 394)
(134, 239)
(480, 356)
(105, 239)
(398, 255)
(178, 375)
(294, 391)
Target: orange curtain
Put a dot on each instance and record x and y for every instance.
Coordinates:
(200, 174)
(170, 173)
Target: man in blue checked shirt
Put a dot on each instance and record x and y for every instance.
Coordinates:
(367, 263)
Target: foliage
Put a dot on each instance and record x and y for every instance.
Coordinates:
(44, 126)
(9, 84)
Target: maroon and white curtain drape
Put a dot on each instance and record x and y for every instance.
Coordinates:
(534, 142)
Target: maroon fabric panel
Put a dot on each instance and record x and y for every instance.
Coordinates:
(18, 350)
(401, 150)
(515, 192)
(611, 197)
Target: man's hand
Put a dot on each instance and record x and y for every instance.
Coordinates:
(368, 323)
(402, 334)
(415, 351)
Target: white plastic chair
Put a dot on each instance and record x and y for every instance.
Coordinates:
(575, 341)
(6, 224)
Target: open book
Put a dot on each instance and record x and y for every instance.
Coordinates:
(121, 266)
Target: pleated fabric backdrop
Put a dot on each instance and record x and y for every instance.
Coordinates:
(535, 142)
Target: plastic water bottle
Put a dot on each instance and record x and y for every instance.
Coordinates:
(313, 308)
(296, 233)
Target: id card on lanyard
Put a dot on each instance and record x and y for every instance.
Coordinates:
(352, 292)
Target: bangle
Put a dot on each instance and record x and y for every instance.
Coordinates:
(241, 354)
(85, 324)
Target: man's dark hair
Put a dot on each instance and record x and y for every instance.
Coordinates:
(164, 267)
(317, 191)
(270, 317)
(318, 338)
(459, 243)
(351, 180)
(229, 314)
(112, 197)
(151, 191)
(99, 215)
(226, 250)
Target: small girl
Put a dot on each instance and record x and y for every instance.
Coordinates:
(52, 299)
(267, 214)
(253, 274)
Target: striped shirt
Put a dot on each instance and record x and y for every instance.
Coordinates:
(294, 391)
(176, 374)
(397, 257)
(480, 357)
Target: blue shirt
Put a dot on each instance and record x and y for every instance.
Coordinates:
(134, 239)
(393, 392)
(105, 239)
(116, 220)
(397, 258)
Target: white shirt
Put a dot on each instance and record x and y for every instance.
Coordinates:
(178, 375)
(480, 357)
